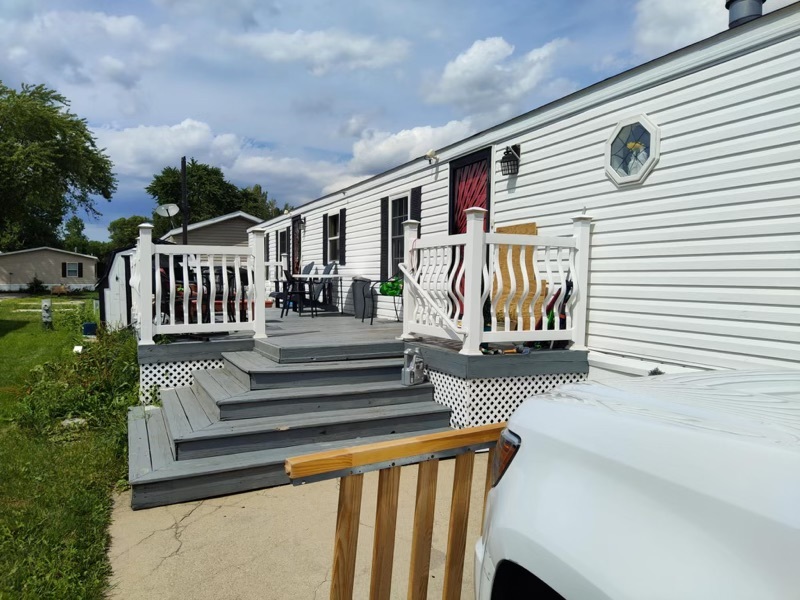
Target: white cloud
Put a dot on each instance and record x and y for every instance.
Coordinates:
(661, 27)
(82, 47)
(322, 51)
(144, 150)
(141, 152)
(243, 12)
(486, 79)
(377, 151)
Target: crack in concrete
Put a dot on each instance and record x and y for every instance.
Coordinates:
(327, 578)
(178, 531)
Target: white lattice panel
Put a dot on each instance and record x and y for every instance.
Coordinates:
(492, 400)
(171, 375)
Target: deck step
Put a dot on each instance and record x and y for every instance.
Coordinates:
(185, 480)
(255, 371)
(261, 433)
(233, 401)
(372, 343)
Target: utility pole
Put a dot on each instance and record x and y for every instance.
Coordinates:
(184, 202)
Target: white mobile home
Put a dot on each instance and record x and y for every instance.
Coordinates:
(690, 168)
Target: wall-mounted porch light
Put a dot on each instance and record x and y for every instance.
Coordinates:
(302, 223)
(509, 164)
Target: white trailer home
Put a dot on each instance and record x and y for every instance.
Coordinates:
(689, 166)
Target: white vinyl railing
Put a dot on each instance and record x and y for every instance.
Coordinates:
(483, 287)
(198, 289)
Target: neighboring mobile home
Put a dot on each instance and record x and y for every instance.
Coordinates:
(53, 267)
(227, 230)
(690, 167)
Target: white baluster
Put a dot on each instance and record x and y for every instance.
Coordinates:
(410, 234)
(474, 262)
(146, 284)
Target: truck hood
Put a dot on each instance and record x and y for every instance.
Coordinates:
(733, 436)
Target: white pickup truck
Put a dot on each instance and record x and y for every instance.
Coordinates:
(670, 487)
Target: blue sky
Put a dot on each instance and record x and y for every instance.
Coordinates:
(307, 96)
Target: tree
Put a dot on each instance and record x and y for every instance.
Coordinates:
(124, 231)
(256, 203)
(209, 195)
(50, 166)
(74, 238)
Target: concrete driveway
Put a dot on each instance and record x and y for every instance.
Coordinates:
(272, 544)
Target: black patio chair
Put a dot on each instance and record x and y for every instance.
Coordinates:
(294, 293)
(323, 287)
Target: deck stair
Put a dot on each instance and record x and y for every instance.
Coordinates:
(233, 428)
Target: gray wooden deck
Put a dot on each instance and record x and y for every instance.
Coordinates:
(329, 336)
(337, 384)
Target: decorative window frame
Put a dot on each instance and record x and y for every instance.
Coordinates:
(654, 153)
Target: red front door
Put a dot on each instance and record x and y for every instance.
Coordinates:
(469, 188)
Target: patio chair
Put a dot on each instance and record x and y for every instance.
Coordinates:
(294, 292)
(320, 286)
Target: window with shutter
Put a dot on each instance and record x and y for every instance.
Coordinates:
(399, 215)
(333, 231)
(73, 269)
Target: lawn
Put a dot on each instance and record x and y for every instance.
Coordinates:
(56, 482)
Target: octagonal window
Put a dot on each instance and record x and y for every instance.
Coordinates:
(632, 150)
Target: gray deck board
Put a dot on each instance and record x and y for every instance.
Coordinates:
(309, 399)
(319, 419)
(253, 362)
(204, 399)
(161, 450)
(195, 479)
(139, 447)
(229, 384)
(196, 413)
(174, 415)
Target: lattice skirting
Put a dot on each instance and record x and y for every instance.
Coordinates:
(168, 375)
(483, 401)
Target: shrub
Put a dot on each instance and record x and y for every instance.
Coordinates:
(36, 286)
(97, 385)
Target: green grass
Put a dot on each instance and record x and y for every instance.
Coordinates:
(56, 484)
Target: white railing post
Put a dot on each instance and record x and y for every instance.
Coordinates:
(146, 269)
(260, 285)
(474, 261)
(410, 235)
(582, 227)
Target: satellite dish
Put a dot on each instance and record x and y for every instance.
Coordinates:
(168, 210)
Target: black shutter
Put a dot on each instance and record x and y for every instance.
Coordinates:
(63, 269)
(278, 246)
(289, 248)
(342, 236)
(385, 238)
(324, 240)
(266, 246)
(80, 269)
(415, 207)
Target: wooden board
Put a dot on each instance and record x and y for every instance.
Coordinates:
(521, 229)
(423, 530)
(357, 456)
